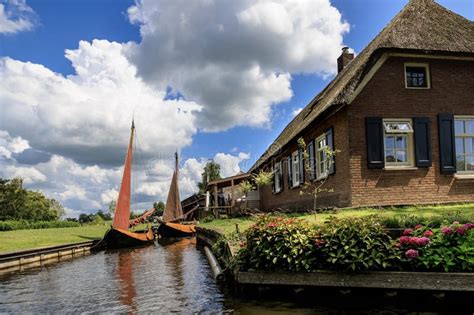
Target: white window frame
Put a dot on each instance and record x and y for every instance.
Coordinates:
(295, 168)
(409, 134)
(322, 170)
(277, 175)
(427, 74)
(463, 136)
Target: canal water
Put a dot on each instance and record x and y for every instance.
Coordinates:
(163, 278)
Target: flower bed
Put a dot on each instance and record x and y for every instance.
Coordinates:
(354, 244)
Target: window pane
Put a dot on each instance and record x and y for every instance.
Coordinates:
(460, 163)
(402, 156)
(469, 126)
(389, 142)
(468, 145)
(415, 76)
(390, 156)
(459, 126)
(401, 142)
(470, 162)
(459, 145)
(397, 126)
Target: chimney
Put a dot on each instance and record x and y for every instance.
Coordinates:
(344, 59)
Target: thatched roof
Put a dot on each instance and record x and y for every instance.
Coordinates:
(422, 26)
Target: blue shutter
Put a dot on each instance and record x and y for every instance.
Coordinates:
(421, 127)
(374, 134)
(301, 165)
(290, 177)
(311, 162)
(447, 152)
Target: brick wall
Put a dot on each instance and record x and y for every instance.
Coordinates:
(452, 91)
(290, 198)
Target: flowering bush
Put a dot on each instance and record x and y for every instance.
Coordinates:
(449, 248)
(357, 244)
(277, 243)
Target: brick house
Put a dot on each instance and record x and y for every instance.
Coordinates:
(401, 114)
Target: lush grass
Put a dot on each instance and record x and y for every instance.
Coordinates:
(28, 239)
(425, 212)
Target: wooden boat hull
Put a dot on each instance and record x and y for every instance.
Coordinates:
(118, 238)
(176, 230)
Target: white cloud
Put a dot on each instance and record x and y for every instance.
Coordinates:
(29, 175)
(15, 16)
(87, 116)
(108, 196)
(10, 145)
(235, 58)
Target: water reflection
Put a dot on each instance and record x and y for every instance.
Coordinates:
(125, 276)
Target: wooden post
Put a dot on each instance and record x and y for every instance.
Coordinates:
(216, 202)
(231, 196)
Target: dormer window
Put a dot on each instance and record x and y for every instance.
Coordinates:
(417, 76)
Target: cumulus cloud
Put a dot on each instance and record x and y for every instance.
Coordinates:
(235, 58)
(296, 111)
(15, 16)
(87, 116)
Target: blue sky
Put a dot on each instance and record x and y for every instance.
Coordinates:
(59, 25)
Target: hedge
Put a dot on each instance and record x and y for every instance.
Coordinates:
(11, 225)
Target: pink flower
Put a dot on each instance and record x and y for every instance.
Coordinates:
(242, 244)
(411, 253)
(469, 226)
(418, 226)
(407, 232)
(319, 243)
(271, 225)
(461, 230)
(455, 222)
(404, 240)
(428, 233)
(423, 241)
(446, 230)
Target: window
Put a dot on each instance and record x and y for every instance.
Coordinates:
(277, 177)
(295, 167)
(464, 133)
(417, 76)
(398, 142)
(321, 159)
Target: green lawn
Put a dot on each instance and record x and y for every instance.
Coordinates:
(27, 239)
(228, 226)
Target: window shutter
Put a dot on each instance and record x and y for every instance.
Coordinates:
(273, 176)
(375, 154)
(311, 162)
(330, 144)
(290, 175)
(421, 127)
(280, 175)
(301, 166)
(446, 144)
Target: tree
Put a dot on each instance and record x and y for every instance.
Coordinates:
(12, 198)
(211, 172)
(57, 208)
(104, 216)
(159, 208)
(112, 206)
(314, 188)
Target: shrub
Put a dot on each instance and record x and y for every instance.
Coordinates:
(355, 244)
(449, 248)
(11, 225)
(277, 243)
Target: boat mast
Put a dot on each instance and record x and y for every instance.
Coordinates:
(122, 209)
(173, 210)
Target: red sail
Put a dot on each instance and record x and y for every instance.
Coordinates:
(122, 210)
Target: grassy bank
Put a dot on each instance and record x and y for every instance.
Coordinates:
(395, 213)
(28, 239)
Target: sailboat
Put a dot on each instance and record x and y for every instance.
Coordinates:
(119, 235)
(171, 224)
